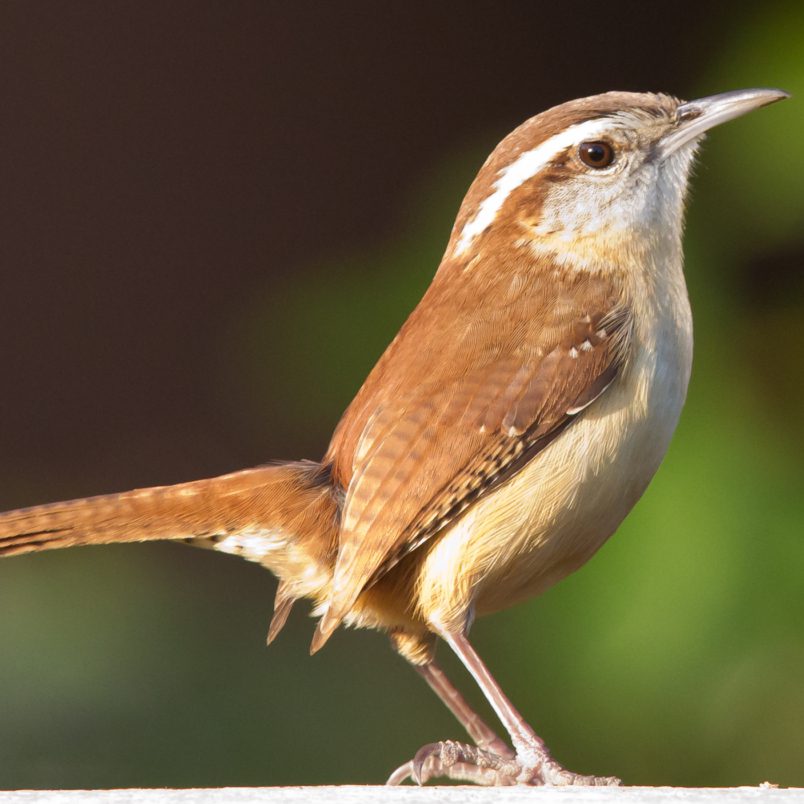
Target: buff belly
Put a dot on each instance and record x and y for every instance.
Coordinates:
(558, 510)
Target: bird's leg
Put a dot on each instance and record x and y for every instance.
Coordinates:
(481, 733)
(449, 758)
(529, 746)
(490, 761)
(536, 766)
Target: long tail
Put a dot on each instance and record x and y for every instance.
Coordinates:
(283, 516)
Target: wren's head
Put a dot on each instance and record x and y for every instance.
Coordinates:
(588, 179)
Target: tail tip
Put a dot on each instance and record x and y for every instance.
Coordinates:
(326, 627)
(283, 603)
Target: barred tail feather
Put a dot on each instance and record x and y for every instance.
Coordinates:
(283, 516)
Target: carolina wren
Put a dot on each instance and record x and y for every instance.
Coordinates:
(502, 437)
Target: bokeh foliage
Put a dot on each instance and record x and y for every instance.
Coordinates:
(674, 657)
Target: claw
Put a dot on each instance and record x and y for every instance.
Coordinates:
(400, 774)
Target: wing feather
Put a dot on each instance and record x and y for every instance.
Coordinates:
(428, 434)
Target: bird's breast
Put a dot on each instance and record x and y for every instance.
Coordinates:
(553, 515)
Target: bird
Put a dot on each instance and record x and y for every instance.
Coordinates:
(501, 438)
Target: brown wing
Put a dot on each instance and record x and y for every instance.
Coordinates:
(430, 433)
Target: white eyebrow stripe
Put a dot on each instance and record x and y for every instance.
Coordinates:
(525, 167)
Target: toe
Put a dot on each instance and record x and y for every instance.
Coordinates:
(402, 773)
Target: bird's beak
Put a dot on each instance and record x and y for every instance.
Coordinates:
(695, 118)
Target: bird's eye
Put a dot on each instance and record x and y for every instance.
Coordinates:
(597, 154)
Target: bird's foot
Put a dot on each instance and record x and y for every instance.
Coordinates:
(468, 763)
(460, 761)
(550, 772)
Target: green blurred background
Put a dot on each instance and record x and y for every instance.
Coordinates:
(214, 218)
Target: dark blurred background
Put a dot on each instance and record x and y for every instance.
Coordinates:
(215, 215)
